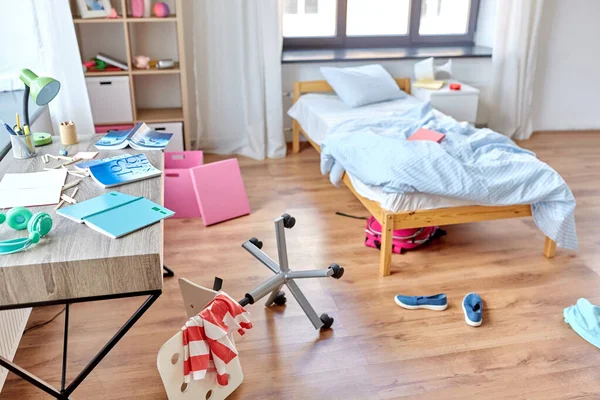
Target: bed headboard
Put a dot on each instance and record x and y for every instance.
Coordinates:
(302, 87)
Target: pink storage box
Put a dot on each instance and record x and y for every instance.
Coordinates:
(179, 187)
(106, 128)
(220, 191)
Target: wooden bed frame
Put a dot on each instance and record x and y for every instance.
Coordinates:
(411, 219)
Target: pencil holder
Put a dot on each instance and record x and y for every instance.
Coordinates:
(22, 146)
(68, 133)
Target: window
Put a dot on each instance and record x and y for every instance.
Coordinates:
(378, 23)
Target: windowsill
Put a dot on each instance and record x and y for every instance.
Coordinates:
(380, 54)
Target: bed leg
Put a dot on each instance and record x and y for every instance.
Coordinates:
(549, 247)
(387, 232)
(295, 137)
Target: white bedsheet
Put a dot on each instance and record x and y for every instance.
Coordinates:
(318, 113)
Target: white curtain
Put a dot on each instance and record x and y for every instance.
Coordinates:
(514, 62)
(58, 57)
(237, 66)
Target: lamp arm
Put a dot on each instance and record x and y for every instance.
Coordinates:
(26, 106)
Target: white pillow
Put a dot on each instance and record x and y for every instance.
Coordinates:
(359, 86)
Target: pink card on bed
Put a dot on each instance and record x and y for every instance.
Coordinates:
(220, 191)
(426, 134)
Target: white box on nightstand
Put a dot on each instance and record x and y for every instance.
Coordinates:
(459, 104)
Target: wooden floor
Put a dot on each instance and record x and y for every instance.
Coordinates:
(523, 350)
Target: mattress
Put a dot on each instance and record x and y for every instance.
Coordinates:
(317, 114)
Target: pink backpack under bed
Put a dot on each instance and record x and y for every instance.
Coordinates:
(403, 239)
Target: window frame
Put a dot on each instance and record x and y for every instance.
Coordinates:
(412, 39)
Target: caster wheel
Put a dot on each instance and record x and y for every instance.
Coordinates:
(402, 250)
(327, 321)
(288, 221)
(280, 299)
(256, 242)
(338, 271)
(378, 244)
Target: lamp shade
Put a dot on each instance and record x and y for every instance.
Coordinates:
(43, 89)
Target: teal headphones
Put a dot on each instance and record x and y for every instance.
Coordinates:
(19, 218)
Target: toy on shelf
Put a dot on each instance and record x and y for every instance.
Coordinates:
(95, 65)
(141, 62)
(113, 14)
(161, 9)
(165, 63)
(137, 8)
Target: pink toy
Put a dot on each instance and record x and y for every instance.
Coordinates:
(180, 195)
(141, 62)
(137, 8)
(403, 239)
(113, 14)
(220, 191)
(161, 9)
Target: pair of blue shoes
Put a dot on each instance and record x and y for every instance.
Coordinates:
(472, 305)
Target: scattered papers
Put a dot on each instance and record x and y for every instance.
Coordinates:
(32, 189)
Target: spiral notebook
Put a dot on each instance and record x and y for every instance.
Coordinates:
(116, 214)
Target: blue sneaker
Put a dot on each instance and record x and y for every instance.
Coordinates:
(473, 309)
(437, 302)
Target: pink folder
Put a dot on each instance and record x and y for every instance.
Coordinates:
(180, 195)
(426, 134)
(220, 191)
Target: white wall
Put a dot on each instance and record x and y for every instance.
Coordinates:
(486, 23)
(567, 88)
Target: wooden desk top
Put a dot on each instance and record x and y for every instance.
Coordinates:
(74, 261)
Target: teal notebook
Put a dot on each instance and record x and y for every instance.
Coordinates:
(116, 214)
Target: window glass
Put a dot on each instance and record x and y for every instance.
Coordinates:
(444, 17)
(377, 17)
(309, 18)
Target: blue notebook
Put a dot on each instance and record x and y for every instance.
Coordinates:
(117, 171)
(116, 214)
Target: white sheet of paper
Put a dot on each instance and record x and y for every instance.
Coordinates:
(86, 155)
(32, 189)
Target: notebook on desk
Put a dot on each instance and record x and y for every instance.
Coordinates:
(116, 214)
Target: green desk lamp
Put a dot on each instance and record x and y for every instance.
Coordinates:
(43, 90)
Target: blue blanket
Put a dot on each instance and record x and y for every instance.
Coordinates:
(472, 164)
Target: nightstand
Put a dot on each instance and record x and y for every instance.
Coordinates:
(459, 104)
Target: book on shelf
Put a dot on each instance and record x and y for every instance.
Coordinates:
(112, 61)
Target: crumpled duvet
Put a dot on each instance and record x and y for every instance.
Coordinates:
(473, 164)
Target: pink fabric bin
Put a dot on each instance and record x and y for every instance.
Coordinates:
(220, 191)
(105, 128)
(180, 195)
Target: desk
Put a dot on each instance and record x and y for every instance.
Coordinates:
(77, 264)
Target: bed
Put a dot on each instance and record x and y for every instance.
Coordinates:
(393, 211)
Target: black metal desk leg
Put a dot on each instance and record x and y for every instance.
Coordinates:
(65, 346)
(111, 343)
(168, 272)
(34, 380)
(64, 393)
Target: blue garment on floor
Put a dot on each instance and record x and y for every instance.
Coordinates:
(478, 165)
(584, 318)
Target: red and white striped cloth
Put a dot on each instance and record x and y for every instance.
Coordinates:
(207, 341)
